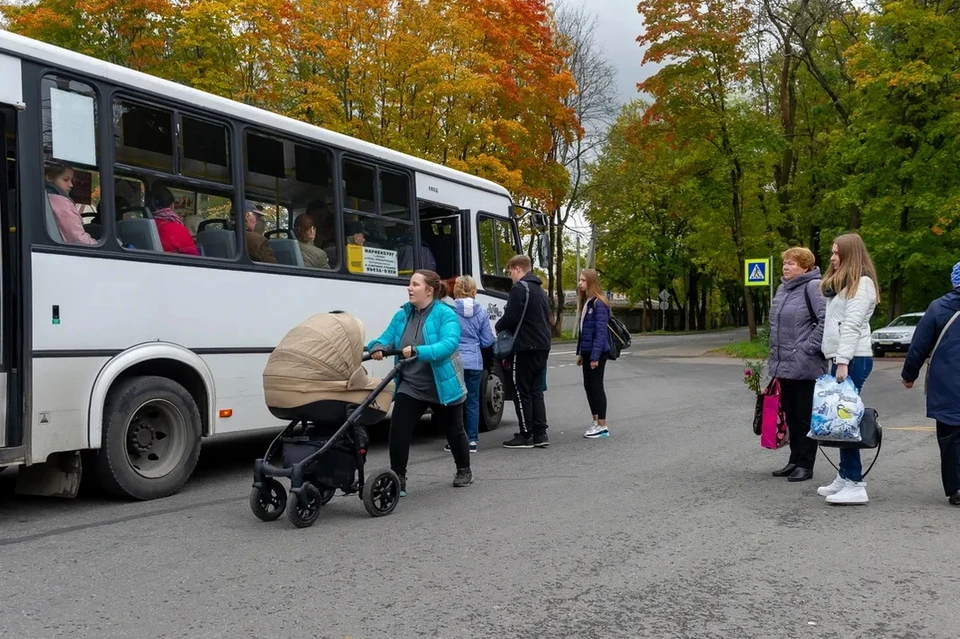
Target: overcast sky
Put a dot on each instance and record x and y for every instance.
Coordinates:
(617, 31)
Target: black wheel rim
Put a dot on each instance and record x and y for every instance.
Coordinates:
(270, 499)
(312, 508)
(384, 492)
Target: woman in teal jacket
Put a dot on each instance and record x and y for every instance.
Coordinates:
(428, 332)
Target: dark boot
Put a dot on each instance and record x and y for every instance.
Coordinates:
(785, 471)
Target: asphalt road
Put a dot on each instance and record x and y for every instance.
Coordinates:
(672, 527)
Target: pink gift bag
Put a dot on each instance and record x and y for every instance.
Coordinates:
(773, 429)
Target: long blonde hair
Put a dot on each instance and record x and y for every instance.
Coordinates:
(855, 263)
(593, 289)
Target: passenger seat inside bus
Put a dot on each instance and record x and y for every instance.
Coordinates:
(140, 234)
(287, 251)
(216, 242)
(52, 229)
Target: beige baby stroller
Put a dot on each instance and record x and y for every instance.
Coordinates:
(315, 379)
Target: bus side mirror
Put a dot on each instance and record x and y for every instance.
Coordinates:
(539, 222)
(544, 254)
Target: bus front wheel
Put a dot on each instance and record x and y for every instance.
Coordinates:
(151, 438)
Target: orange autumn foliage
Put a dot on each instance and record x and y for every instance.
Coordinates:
(478, 85)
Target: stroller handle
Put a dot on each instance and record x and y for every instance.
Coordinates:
(387, 352)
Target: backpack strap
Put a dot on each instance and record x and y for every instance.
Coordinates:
(806, 297)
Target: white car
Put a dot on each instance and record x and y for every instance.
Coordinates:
(896, 336)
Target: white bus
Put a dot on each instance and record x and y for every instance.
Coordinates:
(125, 343)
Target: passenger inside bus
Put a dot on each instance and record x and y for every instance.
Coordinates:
(258, 248)
(59, 183)
(354, 233)
(174, 235)
(326, 234)
(306, 231)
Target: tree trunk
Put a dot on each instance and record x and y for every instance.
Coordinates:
(558, 278)
(694, 277)
(702, 324)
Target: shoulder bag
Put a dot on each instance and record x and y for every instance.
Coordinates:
(503, 345)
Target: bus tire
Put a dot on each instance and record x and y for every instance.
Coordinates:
(492, 399)
(151, 438)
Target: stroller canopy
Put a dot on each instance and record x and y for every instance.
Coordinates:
(321, 359)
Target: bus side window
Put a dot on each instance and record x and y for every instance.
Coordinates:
(71, 160)
(165, 214)
(377, 222)
(292, 183)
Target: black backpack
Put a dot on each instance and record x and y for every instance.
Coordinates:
(619, 336)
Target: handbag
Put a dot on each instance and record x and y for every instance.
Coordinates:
(503, 344)
(774, 432)
(926, 377)
(871, 436)
(758, 415)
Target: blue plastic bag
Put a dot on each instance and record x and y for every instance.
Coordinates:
(837, 411)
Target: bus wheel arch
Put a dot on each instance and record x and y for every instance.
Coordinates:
(164, 360)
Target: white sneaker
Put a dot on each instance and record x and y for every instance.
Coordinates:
(596, 432)
(853, 494)
(838, 484)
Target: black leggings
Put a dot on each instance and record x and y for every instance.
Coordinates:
(407, 411)
(593, 384)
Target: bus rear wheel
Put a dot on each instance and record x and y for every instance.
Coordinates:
(492, 399)
(151, 438)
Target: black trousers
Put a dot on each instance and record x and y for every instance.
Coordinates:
(948, 436)
(796, 399)
(593, 384)
(529, 368)
(407, 412)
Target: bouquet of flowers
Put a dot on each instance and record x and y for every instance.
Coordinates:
(753, 373)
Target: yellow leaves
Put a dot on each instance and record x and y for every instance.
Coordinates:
(476, 84)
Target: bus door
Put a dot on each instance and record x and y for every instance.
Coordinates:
(442, 232)
(10, 423)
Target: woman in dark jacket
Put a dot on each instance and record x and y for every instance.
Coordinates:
(796, 331)
(593, 348)
(941, 323)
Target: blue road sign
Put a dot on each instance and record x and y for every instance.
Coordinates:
(757, 272)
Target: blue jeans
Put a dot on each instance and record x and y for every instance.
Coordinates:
(471, 407)
(858, 370)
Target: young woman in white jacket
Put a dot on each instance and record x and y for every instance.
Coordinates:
(850, 286)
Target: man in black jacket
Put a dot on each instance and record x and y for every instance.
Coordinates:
(531, 347)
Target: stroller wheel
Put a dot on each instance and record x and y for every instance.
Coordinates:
(305, 513)
(381, 493)
(326, 494)
(268, 502)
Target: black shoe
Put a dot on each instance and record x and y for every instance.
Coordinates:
(519, 441)
(800, 474)
(955, 499)
(403, 485)
(540, 440)
(464, 478)
(785, 471)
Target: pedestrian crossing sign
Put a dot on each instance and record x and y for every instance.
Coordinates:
(757, 272)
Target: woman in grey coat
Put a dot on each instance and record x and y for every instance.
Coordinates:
(796, 331)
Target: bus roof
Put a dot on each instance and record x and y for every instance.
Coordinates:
(39, 51)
